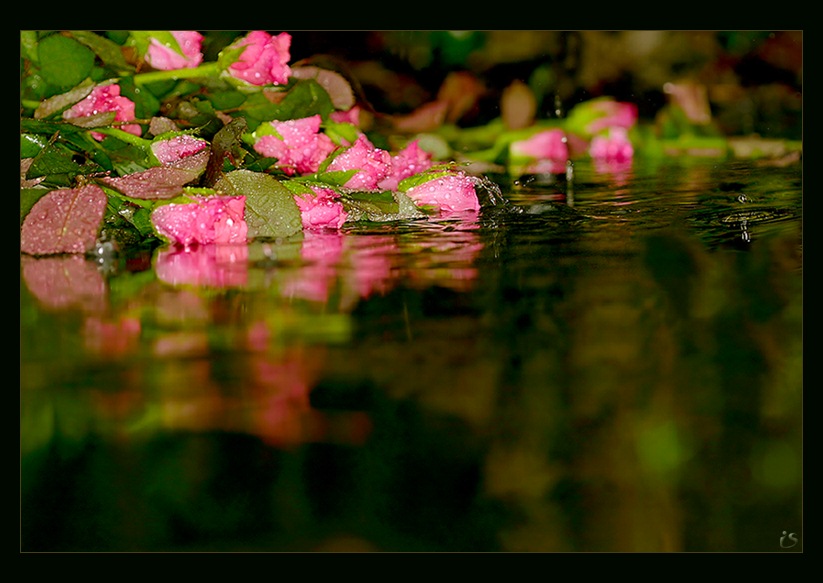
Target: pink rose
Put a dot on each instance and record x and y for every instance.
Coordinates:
(614, 147)
(351, 116)
(166, 58)
(265, 59)
(409, 161)
(451, 193)
(177, 148)
(301, 147)
(102, 99)
(214, 219)
(614, 114)
(321, 210)
(374, 164)
(545, 145)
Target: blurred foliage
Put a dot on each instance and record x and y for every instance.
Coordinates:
(754, 78)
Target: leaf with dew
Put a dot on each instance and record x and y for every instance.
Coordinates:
(64, 221)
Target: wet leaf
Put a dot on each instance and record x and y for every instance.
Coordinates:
(64, 62)
(161, 182)
(63, 221)
(228, 142)
(109, 52)
(270, 207)
(63, 101)
(305, 99)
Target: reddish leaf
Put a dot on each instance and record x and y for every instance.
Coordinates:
(161, 182)
(63, 221)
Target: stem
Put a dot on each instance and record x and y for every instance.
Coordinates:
(125, 136)
(207, 70)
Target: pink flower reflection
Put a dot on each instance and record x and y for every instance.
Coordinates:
(111, 338)
(281, 412)
(356, 266)
(65, 282)
(371, 263)
(279, 409)
(216, 265)
(321, 251)
(448, 259)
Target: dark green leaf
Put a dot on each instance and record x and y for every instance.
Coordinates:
(305, 99)
(29, 196)
(31, 144)
(109, 52)
(64, 62)
(270, 207)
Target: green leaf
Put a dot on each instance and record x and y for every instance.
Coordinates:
(53, 159)
(58, 103)
(28, 44)
(31, 144)
(109, 52)
(305, 99)
(64, 62)
(226, 99)
(29, 196)
(336, 178)
(270, 207)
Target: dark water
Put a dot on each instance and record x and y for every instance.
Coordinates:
(612, 364)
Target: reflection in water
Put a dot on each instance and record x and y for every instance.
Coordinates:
(620, 376)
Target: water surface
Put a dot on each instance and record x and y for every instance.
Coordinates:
(610, 364)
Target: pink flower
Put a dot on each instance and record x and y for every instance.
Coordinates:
(454, 192)
(351, 116)
(613, 147)
(300, 148)
(409, 161)
(214, 219)
(322, 210)
(177, 148)
(166, 58)
(613, 114)
(265, 59)
(103, 99)
(373, 164)
(545, 145)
